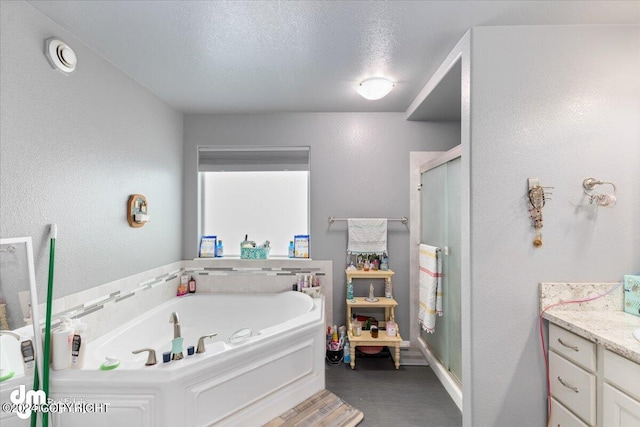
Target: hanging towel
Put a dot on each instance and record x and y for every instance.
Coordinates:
(367, 236)
(430, 287)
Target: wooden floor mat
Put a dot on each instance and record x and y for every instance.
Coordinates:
(323, 409)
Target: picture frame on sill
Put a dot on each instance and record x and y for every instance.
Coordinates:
(208, 246)
(301, 245)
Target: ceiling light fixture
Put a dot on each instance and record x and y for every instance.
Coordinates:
(375, 88)
(61, 56)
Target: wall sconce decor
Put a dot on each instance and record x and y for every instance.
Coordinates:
(137, 211)
(538, 196)
(604, 200)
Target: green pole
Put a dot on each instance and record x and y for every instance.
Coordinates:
(34, 414)
(47, 330)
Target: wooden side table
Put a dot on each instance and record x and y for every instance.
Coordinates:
(365, 339)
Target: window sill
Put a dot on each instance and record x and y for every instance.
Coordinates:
(237, 258)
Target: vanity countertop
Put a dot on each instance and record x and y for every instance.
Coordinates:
(612, 329)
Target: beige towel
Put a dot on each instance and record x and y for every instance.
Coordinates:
(367, 236)
(430, 287)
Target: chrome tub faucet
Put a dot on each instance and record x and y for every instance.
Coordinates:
(176, 324)
(176, 344)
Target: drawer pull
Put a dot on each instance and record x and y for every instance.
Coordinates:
(567, 385)
(572, 347)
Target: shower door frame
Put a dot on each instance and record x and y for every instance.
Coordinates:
(451, 384)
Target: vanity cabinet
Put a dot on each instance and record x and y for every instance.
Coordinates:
(591, 386)
(621, 391)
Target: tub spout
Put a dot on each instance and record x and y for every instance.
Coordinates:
(176, 324)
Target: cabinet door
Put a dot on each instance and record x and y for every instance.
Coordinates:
(574, 387)
(562, 417)
(618, 409)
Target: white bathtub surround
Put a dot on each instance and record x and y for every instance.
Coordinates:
(247, 383)
(109, 306)
(127, 298)
(602, 321)
(231, 275)
(122, 299)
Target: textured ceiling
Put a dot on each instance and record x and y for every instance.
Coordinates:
(268, 56)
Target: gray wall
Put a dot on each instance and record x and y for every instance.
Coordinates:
(560, 104)
(359, 168)
(73, 148)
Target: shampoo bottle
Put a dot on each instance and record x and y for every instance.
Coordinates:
(28, 354)
(183, 286)
(192, 285)
(78, 344)
(62, 339)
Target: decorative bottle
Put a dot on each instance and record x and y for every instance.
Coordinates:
(291, 250)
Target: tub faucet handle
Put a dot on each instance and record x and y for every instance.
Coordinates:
(200, 348)
(151, 360)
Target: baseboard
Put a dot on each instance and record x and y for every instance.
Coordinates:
(450, 384)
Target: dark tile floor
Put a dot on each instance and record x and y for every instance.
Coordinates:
(409, 396)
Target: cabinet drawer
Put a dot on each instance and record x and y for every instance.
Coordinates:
(573, 347)
(623, 373)
(574, 387)
(618, 409)
(562, 417)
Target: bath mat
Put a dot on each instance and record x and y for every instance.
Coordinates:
(322, 409)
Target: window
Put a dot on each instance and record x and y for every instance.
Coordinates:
(259, 192)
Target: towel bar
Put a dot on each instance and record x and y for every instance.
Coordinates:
(404, 219)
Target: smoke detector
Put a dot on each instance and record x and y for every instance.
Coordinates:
(61, 56)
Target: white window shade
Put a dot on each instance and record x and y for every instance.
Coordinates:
(245, 159)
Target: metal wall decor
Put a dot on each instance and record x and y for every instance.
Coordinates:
(538, 196)
(604, 200)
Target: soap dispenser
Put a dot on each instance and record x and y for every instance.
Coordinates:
(62, 339)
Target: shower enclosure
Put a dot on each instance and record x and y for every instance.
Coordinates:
(440, 203)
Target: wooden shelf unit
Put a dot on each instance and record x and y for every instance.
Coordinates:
(371, 274)
(388, 304)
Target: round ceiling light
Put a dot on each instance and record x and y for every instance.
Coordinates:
(375, 88)
(61, 56)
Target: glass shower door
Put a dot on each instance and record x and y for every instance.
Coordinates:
(440, 226)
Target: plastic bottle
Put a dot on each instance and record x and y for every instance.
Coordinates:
(349, 291)
(291, 249)
(347, 354)
(192, 285)
(78, 344)
(28, 354)
(62, 339)
(219, 249)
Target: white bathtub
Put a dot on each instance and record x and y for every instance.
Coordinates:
(242, 384)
